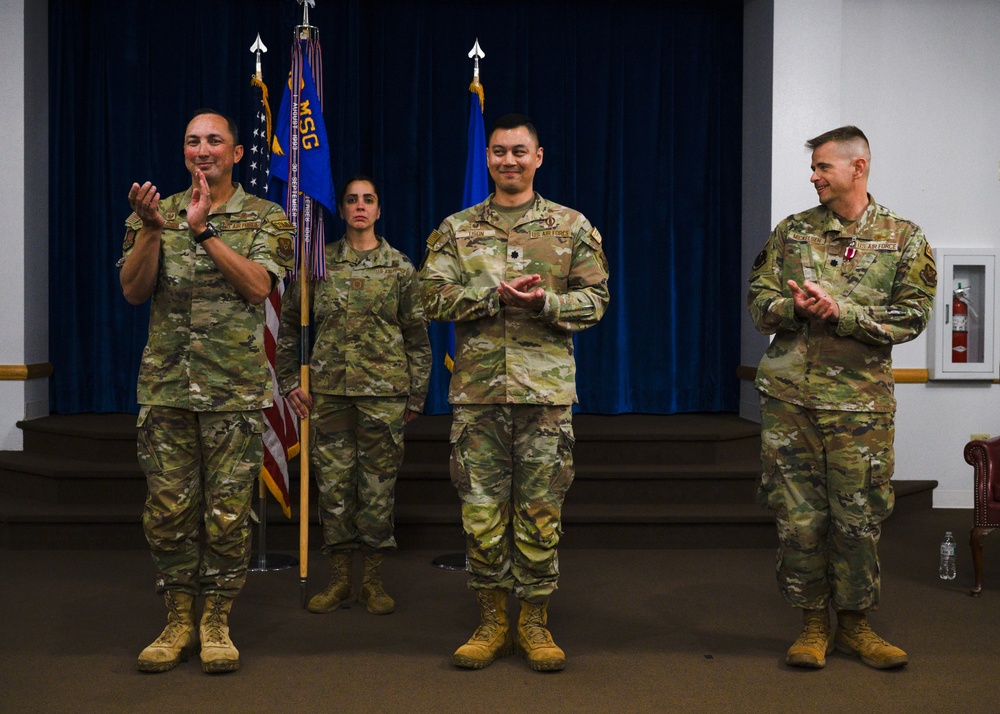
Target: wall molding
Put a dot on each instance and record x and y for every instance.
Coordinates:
(24, 372)
(900, 376)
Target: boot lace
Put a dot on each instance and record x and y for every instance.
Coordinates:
(214, 624)
(535, 631)
(814, 634)
(864, 635)
(489, 628)
(176, 624)
(174, 629)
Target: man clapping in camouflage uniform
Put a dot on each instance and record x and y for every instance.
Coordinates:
(837, 286)
(209, 257)
(518, 275)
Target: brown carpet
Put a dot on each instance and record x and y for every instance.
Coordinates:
(644, 631)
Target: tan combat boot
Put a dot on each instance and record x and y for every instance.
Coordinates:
(813, 643)
(492, 639)
(217, 651)
(855, 637)
(374, 595)
(534, 641)
(338, 592)
(179, 638)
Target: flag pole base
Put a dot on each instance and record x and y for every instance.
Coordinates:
(269, 562)
(450, 561)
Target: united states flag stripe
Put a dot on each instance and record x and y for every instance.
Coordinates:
(281, 438)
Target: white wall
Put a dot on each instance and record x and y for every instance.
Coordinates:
(934, 67)
(24, 194)
(920, 78)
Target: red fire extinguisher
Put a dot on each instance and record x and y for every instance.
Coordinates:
(960, 325)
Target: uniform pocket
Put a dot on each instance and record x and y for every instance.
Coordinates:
(881, 497)
(771, 481)
(149, 460)
(459, 456)
(563, 477)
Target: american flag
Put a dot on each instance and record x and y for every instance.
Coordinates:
(281, 440)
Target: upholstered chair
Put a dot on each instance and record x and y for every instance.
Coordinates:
(985, 459)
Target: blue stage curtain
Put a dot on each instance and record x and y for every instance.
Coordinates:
(638, 106)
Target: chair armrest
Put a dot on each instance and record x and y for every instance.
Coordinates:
(984, 455)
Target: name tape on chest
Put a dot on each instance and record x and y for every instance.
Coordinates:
(477, 233)
(883, 246)
(551, 233)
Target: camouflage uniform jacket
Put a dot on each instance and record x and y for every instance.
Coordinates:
(371, 337)
(205, 350)
(507, 355)
(881, 272)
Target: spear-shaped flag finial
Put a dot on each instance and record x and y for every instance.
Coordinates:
(476, 53)
(306, 4)
(305, 31)
(258, 47)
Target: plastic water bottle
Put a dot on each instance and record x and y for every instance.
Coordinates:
(947, 569)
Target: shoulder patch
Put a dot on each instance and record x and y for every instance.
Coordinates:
(283, 224)
(929, 276)
(759, 261)
(286, 248)
(593, 239)
(129, 240)
(436, 240)
(133, 222)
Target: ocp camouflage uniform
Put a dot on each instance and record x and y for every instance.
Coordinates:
(827, 403)
(514, 379)
(203, 382)
(370, 363)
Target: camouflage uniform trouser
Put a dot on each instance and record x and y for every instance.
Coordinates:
(826, 477)
(512, 466)
(200, 469)
(355, 454)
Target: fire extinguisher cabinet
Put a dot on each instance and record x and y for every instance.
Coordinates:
(962, 330)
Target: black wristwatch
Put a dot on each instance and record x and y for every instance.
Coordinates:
(209, 232)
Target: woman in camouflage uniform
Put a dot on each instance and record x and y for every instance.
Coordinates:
(369, 374)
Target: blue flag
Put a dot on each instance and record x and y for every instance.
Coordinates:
(477, 186)
(315, 175)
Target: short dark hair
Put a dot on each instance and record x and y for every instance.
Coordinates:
(840, 135)
(514, 121)
(358, 177)
(230, 123)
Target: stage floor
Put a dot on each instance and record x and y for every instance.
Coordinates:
(644, 631)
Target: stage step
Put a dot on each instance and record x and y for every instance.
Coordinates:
(642, 481)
